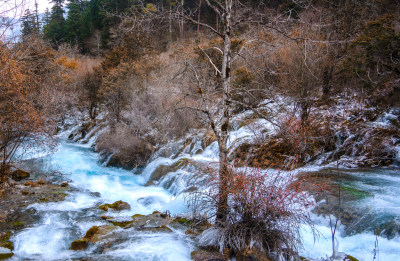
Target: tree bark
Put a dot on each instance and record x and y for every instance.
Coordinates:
(222, 208)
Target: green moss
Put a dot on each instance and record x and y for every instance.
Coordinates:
(79, 244)
(138, 215)
(8, 245)
(182, 221)
(5, 255)
(44, 199)
(104, 207)
(5, 236)
(18, 224)
(350, 258)
(91, 232)
(117, 205)
(121, 223)
(355, 192)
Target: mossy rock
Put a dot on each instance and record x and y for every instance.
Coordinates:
(5, 236)
(117, 205)
(8, 245)
(19, 175)
(91, 232)
(5, 255)
(30, 184)
(138, 215)
(79, 244)
(161, 171)
(203, 255)
(182, 221)
(350, 258)
(121, 223)
(190, 232)
(98, 233)
(18, 224)
(164, 229)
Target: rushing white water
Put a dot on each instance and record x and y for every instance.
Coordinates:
(381, 208)
(63, 222)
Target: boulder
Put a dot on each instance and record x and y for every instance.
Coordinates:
(93, 235)
(79, 244)
(8, 245)
(117, 205)
(155, 220)
(203, 255)
(19, 175)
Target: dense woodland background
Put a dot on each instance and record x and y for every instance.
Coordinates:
(150, 69)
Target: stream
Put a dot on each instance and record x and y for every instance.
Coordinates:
(63, 222)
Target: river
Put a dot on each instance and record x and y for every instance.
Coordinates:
(63, 222)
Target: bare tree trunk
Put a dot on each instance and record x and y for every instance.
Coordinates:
(222, 209)
(170, 21)
(182, 19)
(198, 19)
(216, 23)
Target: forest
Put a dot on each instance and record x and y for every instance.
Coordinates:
(268, 88)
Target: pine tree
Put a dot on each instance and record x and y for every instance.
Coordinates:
(54, 30)
(30, 24)
(73, 25)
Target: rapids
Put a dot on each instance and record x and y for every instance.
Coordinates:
(63, 222)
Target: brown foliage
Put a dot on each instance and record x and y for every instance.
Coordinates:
(20, 121)
(264, 211)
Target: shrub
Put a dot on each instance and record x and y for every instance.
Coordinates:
(265, 212)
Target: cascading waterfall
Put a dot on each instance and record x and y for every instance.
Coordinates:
(63, 222)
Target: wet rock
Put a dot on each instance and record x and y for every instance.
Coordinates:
(156, 220)
(117, 205)
(79, 244)
(93, 235)
(208, 138)
(18, 224)
(30, 184)
(64, 184)
(5, 253)
(121, 223)
(190, 232)
(4, 236)
(8, 245)
(104, 217)
(146, 201)
(164, 229)
(95, 194)
(252, 254)
(99, 233)
(203, 255)
(91, 232)
(25, 192)
(19, 175)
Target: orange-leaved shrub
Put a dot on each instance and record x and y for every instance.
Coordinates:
(266, 210)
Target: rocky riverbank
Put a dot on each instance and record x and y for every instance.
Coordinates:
(22, 190)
